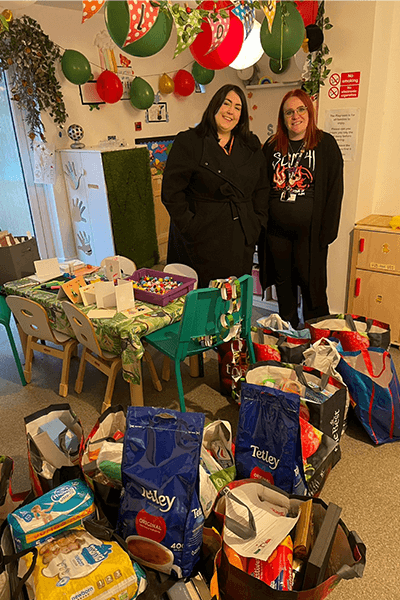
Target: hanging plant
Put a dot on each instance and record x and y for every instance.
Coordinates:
(32, 57)
(318, 69)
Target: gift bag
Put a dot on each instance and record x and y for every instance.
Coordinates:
(9, 501)
(101, 460)
(233, 362)
(290, 342)
(263, 348)
(53, 435)
(354, 332)
(11, 586)
(344, 554)
(371, 378)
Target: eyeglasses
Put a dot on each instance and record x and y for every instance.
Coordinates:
(301, 110)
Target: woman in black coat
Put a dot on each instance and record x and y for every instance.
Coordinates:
(305, 170)
(215, 188)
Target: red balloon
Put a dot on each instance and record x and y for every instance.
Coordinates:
(226, 52)
(308, 10)
(184, 83)
(109, 87)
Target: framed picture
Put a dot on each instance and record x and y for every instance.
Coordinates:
(88, 93)
(157, 113)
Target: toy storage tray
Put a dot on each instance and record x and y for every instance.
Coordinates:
(161, 299)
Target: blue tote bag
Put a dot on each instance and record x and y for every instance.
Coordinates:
(374, 390)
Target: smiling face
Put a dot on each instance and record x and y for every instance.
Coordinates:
(296, 122)
(228, 114)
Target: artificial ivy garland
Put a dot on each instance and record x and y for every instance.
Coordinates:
(32, 58)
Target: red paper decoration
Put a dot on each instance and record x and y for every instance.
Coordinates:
(227, 50)
(184, 83)
(109, 87)
(308, 10)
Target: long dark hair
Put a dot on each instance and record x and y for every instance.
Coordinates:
(208, 126)
(313, 134)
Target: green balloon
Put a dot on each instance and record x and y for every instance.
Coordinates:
(201, 74)
(117, 22)
(75, 67)
(141, 94)
(293, 33)
(275, 65)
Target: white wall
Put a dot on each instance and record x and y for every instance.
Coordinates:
(363, 38)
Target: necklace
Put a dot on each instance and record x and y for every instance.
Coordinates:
(293, 168)
(227, 148)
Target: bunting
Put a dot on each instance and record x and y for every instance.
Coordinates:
(188, 25)
(142, 16)
(219, 29)
(246, 14)
(269, 9)
(90, 8)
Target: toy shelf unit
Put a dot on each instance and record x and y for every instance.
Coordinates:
(87, 196)
(374, 272)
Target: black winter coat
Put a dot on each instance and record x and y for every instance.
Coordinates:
(217, 204)
(328, 193)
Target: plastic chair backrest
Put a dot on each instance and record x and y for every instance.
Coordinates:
(82, 327)
(32, 318)
(126, 264)
(202, 315)
(5, 311)
(181, 269)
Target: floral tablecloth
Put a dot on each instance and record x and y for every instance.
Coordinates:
(119, 335)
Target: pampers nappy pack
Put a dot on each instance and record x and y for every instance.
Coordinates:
(60, 509)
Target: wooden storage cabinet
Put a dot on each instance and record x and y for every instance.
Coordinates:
(162, 218)
(374, 280)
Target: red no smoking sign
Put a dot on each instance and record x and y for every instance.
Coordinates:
(334, 79)
(333, 92)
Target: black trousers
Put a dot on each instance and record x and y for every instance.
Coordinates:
(291, 257)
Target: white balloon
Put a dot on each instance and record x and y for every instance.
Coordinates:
(251, 50)
(244, 74)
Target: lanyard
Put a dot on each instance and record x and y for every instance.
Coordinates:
(229, 150)
(292, 170)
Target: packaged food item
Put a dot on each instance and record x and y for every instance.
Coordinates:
(75, 565)
(277, 570)
(62, 508)
(160, 515)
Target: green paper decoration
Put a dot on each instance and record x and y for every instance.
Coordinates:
(76, 67)
(141, 94)
(201, 74)
(293, 31)
(117, 22)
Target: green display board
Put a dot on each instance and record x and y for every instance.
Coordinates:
(130, 198)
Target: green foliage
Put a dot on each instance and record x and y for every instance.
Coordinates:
(319, 70)
(32, 57)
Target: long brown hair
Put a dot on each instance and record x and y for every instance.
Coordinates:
(313, 134)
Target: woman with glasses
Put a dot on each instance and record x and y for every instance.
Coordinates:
(305, 168)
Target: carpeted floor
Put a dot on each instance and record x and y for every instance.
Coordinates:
(365, 483)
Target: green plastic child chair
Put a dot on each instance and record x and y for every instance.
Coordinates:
(5, 314)
(202, 317)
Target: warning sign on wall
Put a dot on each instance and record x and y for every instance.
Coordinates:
(344, 85)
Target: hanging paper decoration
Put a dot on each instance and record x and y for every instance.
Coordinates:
(226, 52)
(90, 8)
(269, 9)
(287, 33)
(142, 17)
(106, 53)
(251, 51)
(219, 28)
(187, 27)
(117, 22)
(166, 84)
(246, 14)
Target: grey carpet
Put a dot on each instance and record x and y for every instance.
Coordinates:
(365, 483)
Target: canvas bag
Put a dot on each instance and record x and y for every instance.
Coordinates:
(348, 557)
(354, 332)
(291, 342)
(43, 473)
(109, 429)
(371, 378)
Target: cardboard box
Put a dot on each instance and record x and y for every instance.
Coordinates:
(17, 261)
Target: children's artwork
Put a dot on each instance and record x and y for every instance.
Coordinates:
(159, 148)
(101, 313)
(88, 294)
(112, 268)
(124, 295)
(72, 289)
(88, 93)
(157, 113)
(46, 269)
